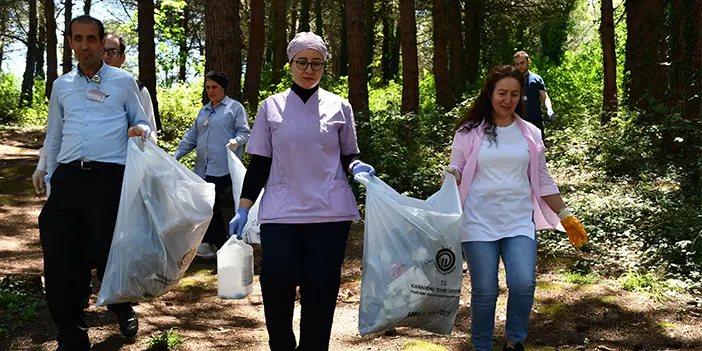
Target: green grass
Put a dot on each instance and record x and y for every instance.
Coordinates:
(421, 346)
(164, 341)
(548, 286)
(556, 310)
(580, 278)
(647, 283)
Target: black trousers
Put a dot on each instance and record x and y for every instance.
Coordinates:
(216, 232)
(76, 227)
(539, 124)
(310, 255)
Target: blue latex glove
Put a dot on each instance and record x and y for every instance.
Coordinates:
(236, 225)
(361, 167)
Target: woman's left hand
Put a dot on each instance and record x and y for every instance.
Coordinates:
(576, 233)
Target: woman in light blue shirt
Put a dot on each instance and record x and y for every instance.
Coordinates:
(221, 123)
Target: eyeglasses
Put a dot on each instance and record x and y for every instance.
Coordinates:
(111, 52)
(302, 65)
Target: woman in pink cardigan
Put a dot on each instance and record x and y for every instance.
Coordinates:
(507, 194)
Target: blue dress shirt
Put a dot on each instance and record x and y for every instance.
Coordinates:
(83, 129)
(210, 133)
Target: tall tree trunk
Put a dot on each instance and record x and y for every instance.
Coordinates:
(67, 54)
(388, 27)
(51, 59)
(147, 52)
(304, 16)
(318, 22)
(344, 57)
(279, 42)
(441, 72)
(293, 19)
(86, 7)
(456, 50)
(645, 51)
(473, 27)
(26, 94)
(609, 101)
(369, 29)
(41, 41)
(395, 51)
(223, 47)
(410, 64)
(183, 52)
(254, 58)
(358, 79)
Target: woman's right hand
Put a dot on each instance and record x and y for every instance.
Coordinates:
(454, 171)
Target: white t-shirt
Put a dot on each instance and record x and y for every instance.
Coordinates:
(499, 200)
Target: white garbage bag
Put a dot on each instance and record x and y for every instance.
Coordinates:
(411, 259)
(237, 171)
(164, 211)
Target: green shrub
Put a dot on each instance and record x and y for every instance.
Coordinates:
(164, 341)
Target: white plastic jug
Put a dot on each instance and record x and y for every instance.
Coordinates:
(235, 269)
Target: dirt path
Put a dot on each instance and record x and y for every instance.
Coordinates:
(565, 316)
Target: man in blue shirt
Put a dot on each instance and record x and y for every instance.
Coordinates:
(221, 123)
(92, 111)
(533, 92)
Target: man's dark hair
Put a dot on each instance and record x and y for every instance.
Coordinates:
(87, 19)
(122, 44)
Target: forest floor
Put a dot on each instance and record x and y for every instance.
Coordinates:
(593, 314)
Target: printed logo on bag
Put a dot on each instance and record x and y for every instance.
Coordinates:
(445, 260)
(187, 258)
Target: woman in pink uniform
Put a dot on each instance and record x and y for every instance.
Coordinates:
(303, 146)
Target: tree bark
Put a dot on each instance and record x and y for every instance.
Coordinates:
(86, 7)
(388, 27)
(395, 51)
(27, 93)
(410, 64)
(223, 46)
(441, 72)
(41, 42)
(147, 52)
(456, 50)
(344, 56)
(473, 27)
(318, 21)
(67, 54)
(254, 58)
(51, 59)
(609, 101)
(279, 41)
(293, 19)
(304, 16)
(369, 29)
(645, 52)
(184, 52)
(358, 79)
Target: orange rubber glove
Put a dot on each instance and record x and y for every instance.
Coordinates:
(576, 233)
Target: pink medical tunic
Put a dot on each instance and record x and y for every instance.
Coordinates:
(307, 183)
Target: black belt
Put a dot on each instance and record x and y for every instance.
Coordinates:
(90, 165)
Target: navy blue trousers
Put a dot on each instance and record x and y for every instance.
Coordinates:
(308, 255)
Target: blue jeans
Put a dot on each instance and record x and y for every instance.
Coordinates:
(519, 256)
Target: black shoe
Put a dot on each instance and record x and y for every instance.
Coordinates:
(517, 347)
(128, 321)
(81, 347)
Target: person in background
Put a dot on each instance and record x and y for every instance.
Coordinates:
(303, 147)
(533, 93)
(221, 123)
(113, 54)
(93, 110)
(507, 194)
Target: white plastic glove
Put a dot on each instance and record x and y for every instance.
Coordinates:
(454, 171)
(233, 145)
(550, 114)
(38, 180)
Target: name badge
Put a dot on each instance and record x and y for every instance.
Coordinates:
(96, 95)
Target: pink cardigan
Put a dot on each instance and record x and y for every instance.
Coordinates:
(466, 160)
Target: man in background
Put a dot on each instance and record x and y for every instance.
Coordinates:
(533, 93)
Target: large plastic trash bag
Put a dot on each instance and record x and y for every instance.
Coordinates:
(411, 259)
(237, 171)
(164, 211)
